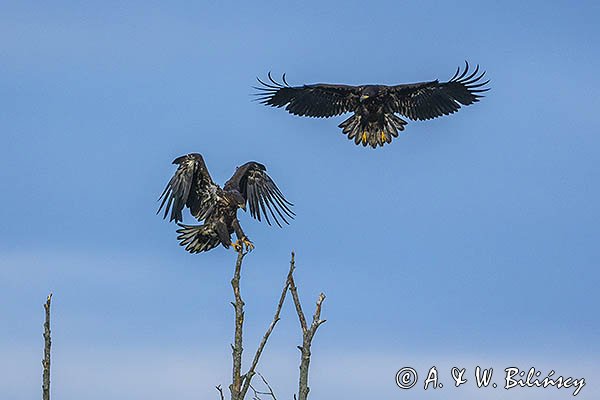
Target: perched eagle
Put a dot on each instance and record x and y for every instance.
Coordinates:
(192, 187)
(374, 121)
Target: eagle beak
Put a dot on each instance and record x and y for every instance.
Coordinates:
(363, 97)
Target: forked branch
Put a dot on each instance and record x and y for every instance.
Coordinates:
(242, 383)
(308, 333)
(252, 370)
(257, 393)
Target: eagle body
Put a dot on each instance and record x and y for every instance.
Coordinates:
(374, 107)
(218, 226)
(372, 123)
(192, 187)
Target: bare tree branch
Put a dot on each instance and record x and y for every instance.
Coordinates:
(242, 383)
(270, 393)
(47, 345)
(294, 291)
(308, 334)
(237, 349)
(220, 390)
(257, 393)
(251, 371)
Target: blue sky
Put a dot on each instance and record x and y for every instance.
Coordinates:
(471, 239)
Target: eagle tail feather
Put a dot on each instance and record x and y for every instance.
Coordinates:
(395, 124)
(351, 127)
(198, 238)
(375, 133)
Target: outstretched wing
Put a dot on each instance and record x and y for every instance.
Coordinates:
(427, 100)
(319, 100)
(191, 186)
(260, 192)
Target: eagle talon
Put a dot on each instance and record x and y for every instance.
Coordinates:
(248, 243)
(240, 243)
(237, 246)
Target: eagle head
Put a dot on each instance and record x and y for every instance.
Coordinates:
(367, 92)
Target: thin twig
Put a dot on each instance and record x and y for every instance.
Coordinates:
(307, 336)
(220, 389)
(47, 345)
(251, 371)
(237, 349)
(257, 393)
(267, 385)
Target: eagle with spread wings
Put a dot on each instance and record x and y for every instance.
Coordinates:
(216, 207)
(374, 121)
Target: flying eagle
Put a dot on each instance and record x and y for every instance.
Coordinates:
(216, 207)
(374, 121)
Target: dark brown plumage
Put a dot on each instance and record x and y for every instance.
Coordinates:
(192, 187)
(374, 121)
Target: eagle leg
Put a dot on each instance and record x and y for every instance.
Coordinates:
(223, 233)
(242, 238)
